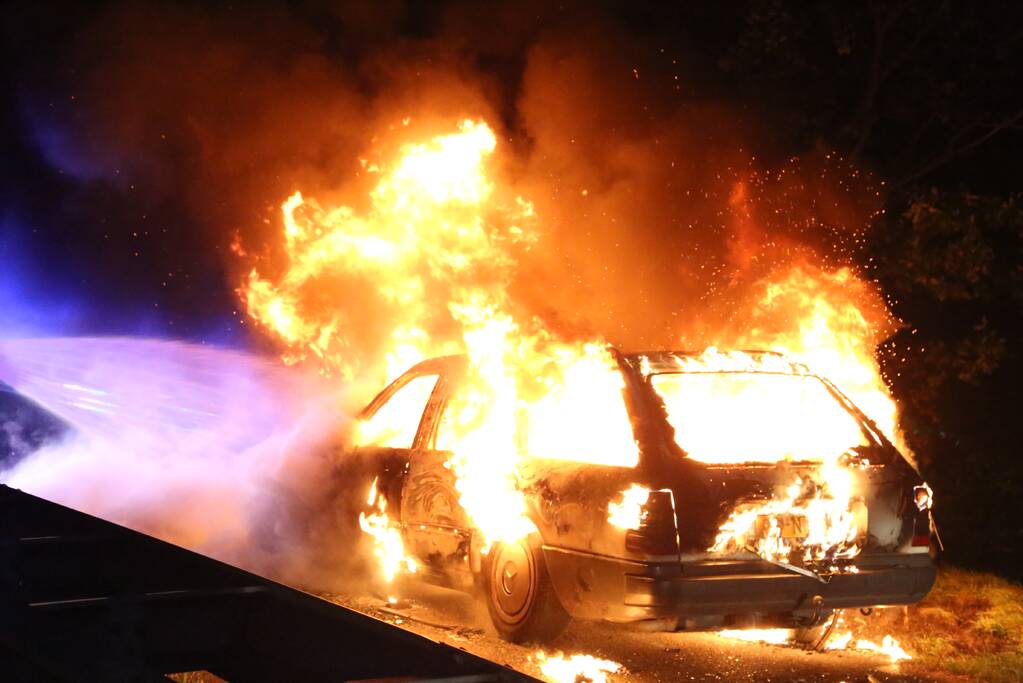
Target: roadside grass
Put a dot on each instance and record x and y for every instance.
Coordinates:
(971, 624)
(969, 627)
(195, 677)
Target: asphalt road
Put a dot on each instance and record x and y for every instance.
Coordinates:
(456, 619)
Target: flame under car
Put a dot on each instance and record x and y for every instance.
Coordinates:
(729, 515)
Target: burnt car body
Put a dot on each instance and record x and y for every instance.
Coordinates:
(579, 564)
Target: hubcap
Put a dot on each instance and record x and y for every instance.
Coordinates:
(513, 580)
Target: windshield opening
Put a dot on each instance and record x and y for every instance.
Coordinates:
(580, 416)
(756, 417)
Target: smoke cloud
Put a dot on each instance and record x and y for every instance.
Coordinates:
(660, 208)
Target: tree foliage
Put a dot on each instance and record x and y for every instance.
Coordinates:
(929, 96)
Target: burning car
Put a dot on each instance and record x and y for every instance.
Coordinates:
(753, 492)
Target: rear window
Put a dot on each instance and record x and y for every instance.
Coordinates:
(739, 417)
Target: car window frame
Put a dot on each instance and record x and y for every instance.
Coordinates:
(450, 384)
(393, 388)
(435, 407)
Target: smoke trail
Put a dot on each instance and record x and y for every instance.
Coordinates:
(212, 449)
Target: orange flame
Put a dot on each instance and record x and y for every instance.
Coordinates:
(576, 668)
(629, 513)
(425, 270)
(889, 646)
(388, 545)
(425, 227)
(842, 639)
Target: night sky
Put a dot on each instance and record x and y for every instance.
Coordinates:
(135, 240)
(86, 256)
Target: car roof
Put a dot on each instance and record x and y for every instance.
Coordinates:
(440, 364)
(661, 361)
(715, 361)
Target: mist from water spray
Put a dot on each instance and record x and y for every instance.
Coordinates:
(209, 448)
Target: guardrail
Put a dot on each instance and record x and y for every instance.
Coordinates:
(84, 599)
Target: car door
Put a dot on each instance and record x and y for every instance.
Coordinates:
(386, 433)
(436, 527)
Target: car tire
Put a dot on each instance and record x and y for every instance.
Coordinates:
(520, 596)
(814, 637)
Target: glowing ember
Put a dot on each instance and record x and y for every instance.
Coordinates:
(576, 668)
(388, 546)
(628, 514)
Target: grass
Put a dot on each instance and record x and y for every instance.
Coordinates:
(195, 677)
(970, 625)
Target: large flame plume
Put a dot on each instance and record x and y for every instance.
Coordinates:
(428, 269)
(426, 238)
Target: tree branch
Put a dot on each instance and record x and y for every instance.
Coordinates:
(876, 75)
(952, 150)
(911, 48)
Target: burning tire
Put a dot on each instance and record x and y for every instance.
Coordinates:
(520, 597)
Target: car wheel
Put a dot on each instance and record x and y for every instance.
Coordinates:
(520, 596)
(814, 637)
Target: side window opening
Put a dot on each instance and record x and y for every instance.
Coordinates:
(395, 423)
(574, 422)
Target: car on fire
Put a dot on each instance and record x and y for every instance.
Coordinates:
(673, 562)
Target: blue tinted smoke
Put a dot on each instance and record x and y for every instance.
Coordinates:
(31, 303)
(39, 298)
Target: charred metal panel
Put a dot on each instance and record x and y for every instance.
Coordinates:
(619, 590)
(590, 587)
(436, 526)
(570, 501)
(878, 488)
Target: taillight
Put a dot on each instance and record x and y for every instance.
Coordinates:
(656, 534)
(922, 529)
(923, 496)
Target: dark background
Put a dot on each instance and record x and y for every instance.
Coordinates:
(926, 96)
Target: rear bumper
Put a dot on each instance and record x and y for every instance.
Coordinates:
(592, 586)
